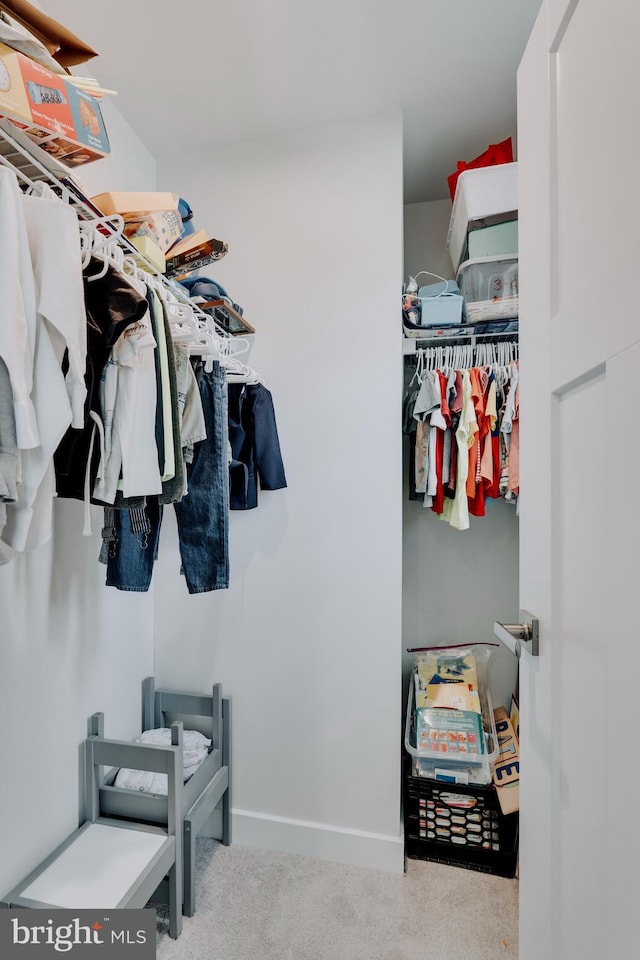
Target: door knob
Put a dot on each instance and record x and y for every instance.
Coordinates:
(520, 636)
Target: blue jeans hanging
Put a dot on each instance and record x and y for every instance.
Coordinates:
(202, 515)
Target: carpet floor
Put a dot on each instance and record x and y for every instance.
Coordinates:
(259, 905)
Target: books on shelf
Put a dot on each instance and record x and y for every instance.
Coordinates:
(195, 257)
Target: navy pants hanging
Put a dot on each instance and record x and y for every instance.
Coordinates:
(202, 515)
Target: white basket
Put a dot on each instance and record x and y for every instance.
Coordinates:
(483, 192)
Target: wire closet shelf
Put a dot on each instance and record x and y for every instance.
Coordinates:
(33, 165)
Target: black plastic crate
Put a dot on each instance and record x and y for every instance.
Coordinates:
(459, 824)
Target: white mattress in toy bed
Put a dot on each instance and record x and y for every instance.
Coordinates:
(195, 751)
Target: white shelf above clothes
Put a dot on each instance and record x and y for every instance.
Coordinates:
(459, 334)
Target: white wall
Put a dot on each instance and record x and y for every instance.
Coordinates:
(306, 639)
(425, 237)
(130, 166)
(455, 583)
(69, 646)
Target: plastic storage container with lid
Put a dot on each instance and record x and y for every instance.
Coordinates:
(497, 240)
(489, 286)
(487, 191)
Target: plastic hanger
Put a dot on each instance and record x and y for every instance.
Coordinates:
(41, 189)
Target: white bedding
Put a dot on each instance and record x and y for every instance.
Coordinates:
(195, 749)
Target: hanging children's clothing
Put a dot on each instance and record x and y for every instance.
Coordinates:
(17, 308)
(111, 306)
(101, 400)
(202, 515)
(255, 446)
(463, 429)
(54, 294)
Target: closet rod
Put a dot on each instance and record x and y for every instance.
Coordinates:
(411, 345)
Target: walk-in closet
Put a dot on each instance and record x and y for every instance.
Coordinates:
(316, 365)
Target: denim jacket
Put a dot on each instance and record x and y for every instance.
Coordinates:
(254, 445)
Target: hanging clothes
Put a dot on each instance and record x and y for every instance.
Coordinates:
(17, 308)
(101, 400)
(255, 446)
(463, 429)
(111, 306)
(202, 515)
(53, 240)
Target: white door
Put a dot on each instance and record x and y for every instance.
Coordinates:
(579, 170)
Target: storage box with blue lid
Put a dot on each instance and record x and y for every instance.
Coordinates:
(438, 305)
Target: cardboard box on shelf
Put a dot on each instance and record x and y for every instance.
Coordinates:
(63, 45)
(64, 121)
(134, 206)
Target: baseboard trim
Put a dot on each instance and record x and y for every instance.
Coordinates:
(375, 850)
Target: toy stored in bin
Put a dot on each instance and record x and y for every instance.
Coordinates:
(441, 303)
(489, 286)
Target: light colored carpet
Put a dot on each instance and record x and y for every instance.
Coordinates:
(258, 905)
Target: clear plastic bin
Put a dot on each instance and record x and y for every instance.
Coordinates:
(489, 286)
(476, 769)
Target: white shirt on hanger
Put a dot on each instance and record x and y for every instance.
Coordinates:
(17, 308)
(129, 398)
(60, 322)
(54, 243)
(456, 511)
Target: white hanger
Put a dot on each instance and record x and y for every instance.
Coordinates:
(419, 362)
(103, 246)
(207, 345)
(182, 320)
(238, 372)
(41, 189)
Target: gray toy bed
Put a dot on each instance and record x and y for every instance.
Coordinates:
(202, 793)
(115, 863)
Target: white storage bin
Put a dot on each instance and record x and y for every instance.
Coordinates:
(480, 193)
(489, 286)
